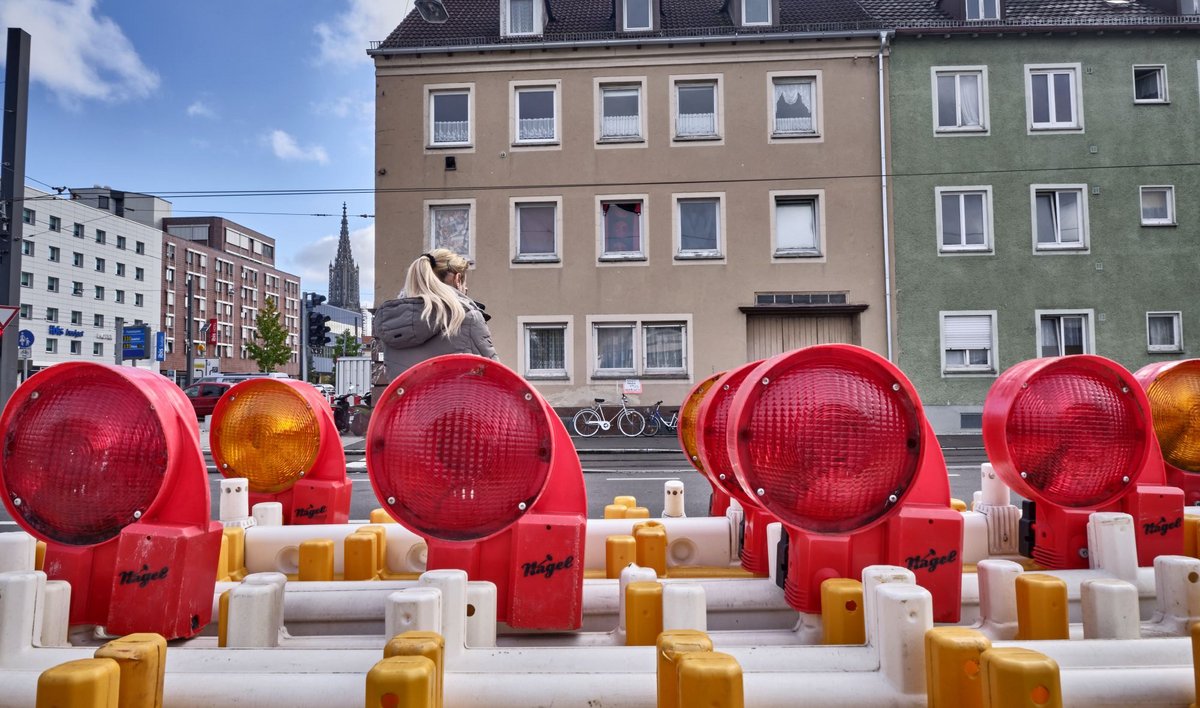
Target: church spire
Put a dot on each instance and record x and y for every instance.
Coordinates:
(343, 272)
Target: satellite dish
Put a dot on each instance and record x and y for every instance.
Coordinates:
(432, 11)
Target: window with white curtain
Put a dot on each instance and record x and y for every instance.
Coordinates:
(960, 100)
(614, 348)
(521, 15)
(964, 219)
(794, 107)
(1060, 218)
(636, 14)
(699, 227)
(450, 118)
(796, 228)
(695, 109)
(535, 115)
(968, 342)
(620, 112)
(1053, 97)
(664, 350)
(546, 350)
(1164, 331)
(1063, 334)
(644, 347)
(1158, 206)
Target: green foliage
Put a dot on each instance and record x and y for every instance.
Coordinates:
(269, 348)
(346, 344)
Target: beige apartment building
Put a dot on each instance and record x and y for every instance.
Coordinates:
(655, 191)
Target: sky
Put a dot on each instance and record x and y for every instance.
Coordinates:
(261, 95)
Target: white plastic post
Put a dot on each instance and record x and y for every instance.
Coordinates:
(251, 609)
(18, 551)
(268, 514)
(673, 500)
(1177, 582)
(453, 585)
(481, 614)
(735, 515)
(414, 609)
(631, 573)
(774, 533)
(975, 537)
(872, 577)
(993, 491)
(19, 593)
(278, 581)
(56, 614)
(998, 598)
(1110, 609)
(904, 614)
(684, 607)
(1112, 545)
(235, 503)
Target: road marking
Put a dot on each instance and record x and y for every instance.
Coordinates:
(952, 474)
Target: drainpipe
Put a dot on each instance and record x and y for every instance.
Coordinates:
(883, 198)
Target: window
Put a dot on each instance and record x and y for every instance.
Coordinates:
(139, 300)
(26, 311)
(620, 112)
(52, 314)
(77, 231)
(645, 348)
(102, 202)
(101, 237)
(450, 227)
(139, 247)
(450, 118)
(1052, 98)
(960, 99)
(1060, 218)
(52, 284)
(99, 292)
(698, 226)
(77, 288)
(983, 10)
(26, 279)
(964, 219)
(1061, 333)
(696, 110)
(119, 296)
(97, 348)
(76, 346)
(1150, 84)
(621, 227)
(1158, 206)
(121, 270)
(522, 17)
(536, 115)
(121, 242)
(55, 223)
(536, 228)
(139, 273)
(26, 247)
(794, 109)
(77, 259)
(1164, 332)
(100, 265)
(968, 342)
(97, 320)
(546, 350)
(55, 254)
(28, 216)
(756, 12)
(51, 346)
(796, 225)
(76, 317)
(636, 15)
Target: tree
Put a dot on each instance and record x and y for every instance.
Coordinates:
(346, 344)
(269, 349)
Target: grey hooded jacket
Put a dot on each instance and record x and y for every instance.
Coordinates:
(408, 338)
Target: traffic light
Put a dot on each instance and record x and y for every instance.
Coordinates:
(317, 329)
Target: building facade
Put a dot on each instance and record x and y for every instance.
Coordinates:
(658, 193)
(343, 272)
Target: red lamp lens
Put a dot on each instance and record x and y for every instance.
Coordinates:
(1076, 435)
(832, 442)
(84, 456)
(459, 448)
(713, 433)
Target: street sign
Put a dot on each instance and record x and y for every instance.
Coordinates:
(632, 386)
(25, 353)
(134, 342)
(7, 313)
(25, 339)
(210, 335)
(160, 346)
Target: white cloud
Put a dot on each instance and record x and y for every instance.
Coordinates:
(78, 54)
(346, 107)
(286, 148)
(311, 262)
(201, 109)
(344, 40)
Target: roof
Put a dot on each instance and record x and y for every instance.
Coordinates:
(916, 14)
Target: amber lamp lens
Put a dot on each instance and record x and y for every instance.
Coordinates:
(713, 432)
(688, 414)
(1175, 407)
(265, 431)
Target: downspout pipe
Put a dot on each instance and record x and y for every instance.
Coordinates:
(884, 37)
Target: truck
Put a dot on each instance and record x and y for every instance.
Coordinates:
(352, 374)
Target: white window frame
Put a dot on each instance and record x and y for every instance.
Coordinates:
(623, 258)
(1177, 320)
(1164, 97)
(978, 7)
(430, 91)
(1075, 71)
(1170, 191)
(472, 231)
(1085, 244)
(639, 322)
(626, 27)
(985, 118)
(506, 29)
(600, 84)
(1089, 327)
(816, 135)
(819, 256)
(718, 135)
(696, 256)
(770, 15)
(987, 248)
(515, 88)
(539, 261)
(549, 376)
(982, 371)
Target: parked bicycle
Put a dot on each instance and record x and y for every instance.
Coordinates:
(656, 421)
(589, 421)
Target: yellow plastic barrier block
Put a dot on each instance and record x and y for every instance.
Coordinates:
(401, 681)
(651, 540)
(83, 683)
(643, 613)
(958, 504)
(360, 556)
(637, 512)
(1196, 658)
(381, 547)
(625, 501)
(710, 679)
(236, 537)
(614, 511)
(842, 619)
(1041, 607)
(953, 666)
(223, 619)
(430, 645)
(380, 516)
(671, 645)
(619, 552)
(1191, 535)
(1014, 677)
(142, 659)
(223, 560)
(316, 559)
(39, 555)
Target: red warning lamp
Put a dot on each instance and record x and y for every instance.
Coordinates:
(1173, 389)
(465, 453)
(103, 463)
(715, 455)
(689, 412)
(1073, 434)
(833, 441)
(279, 434)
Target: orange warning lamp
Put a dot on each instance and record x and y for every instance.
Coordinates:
(1173, 389)
(689, 412)
(103, 463)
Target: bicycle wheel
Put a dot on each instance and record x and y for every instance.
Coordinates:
(586, 422)
(631, 423)
(652, 426)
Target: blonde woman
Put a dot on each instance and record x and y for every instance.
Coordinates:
(432, 315)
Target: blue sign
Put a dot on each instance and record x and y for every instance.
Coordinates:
(134, 341)
(160, 346)
(25, 339)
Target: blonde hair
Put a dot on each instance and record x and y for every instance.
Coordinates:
(426, 279)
